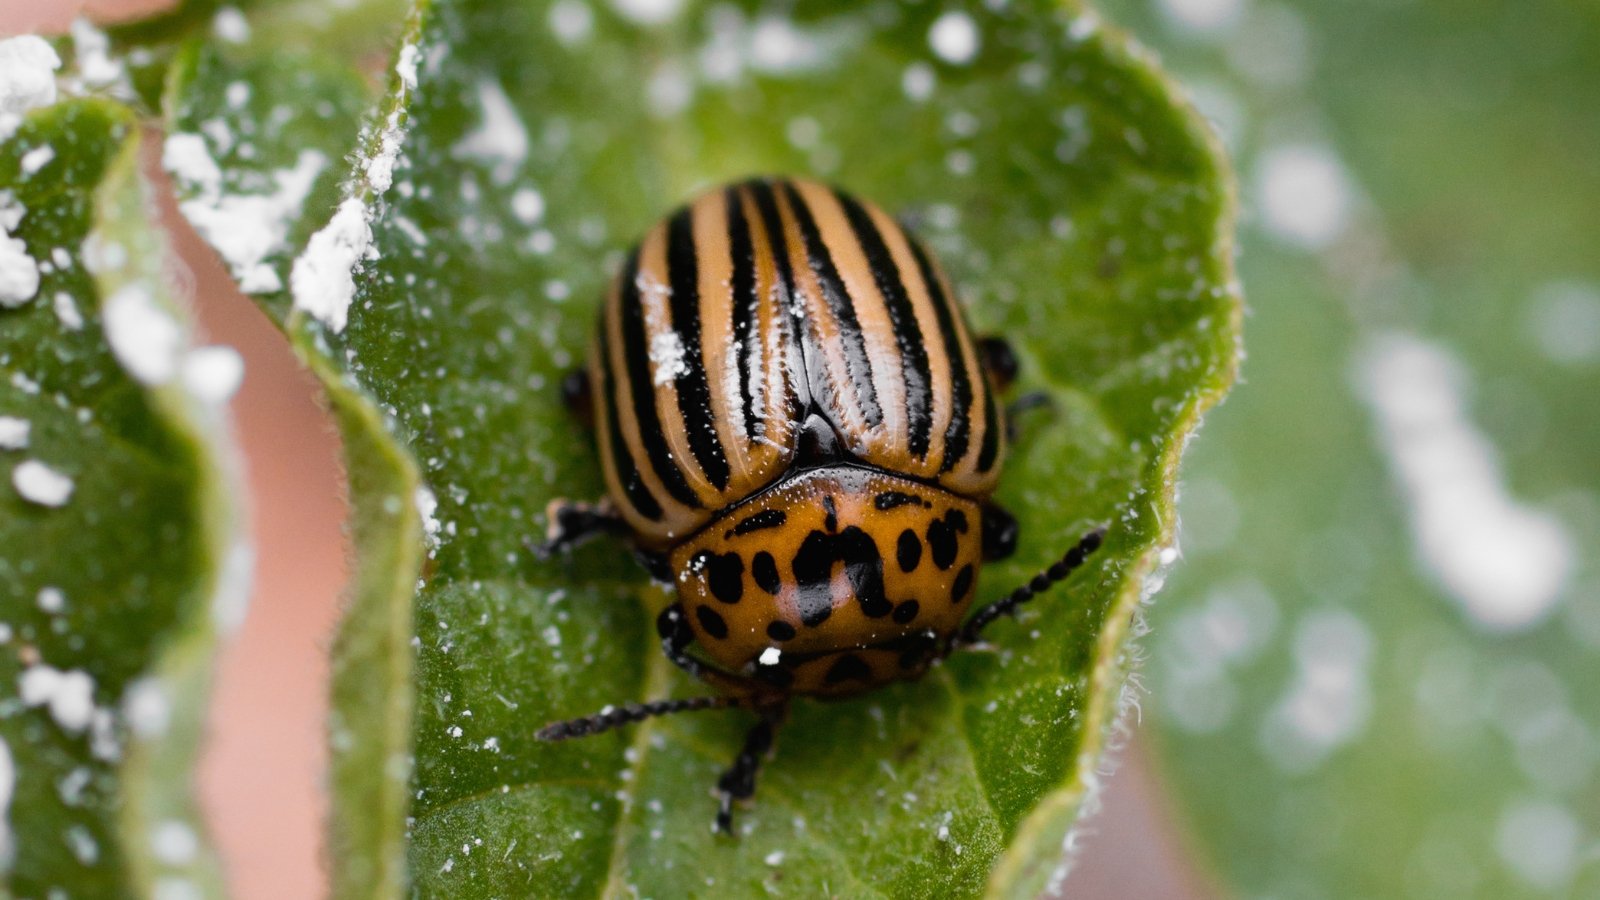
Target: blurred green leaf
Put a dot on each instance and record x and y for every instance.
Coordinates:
(1340, 710)
(1080, 208)
(120, 549)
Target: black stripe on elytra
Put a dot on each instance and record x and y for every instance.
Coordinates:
(636, 356)
(638, 495)
(694, 393)
(991, 433)
(772, 221)
(767, 518)
(858, 362)
(914, 367)
(956, 434)
(746, 303)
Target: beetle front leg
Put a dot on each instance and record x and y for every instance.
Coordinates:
(570, 523)
(739, 781)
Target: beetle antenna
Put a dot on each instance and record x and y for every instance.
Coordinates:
(628, 713)
(1040, 583)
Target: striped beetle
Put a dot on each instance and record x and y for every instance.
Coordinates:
(799, 431)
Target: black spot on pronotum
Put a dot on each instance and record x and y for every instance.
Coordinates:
(908, 551)
(767, 518)
(765, 571)
(780, 631)
(711, 622)
(957, 520)
(906, 611)
(831, 522)
(942, 541)
(848, 667)
(963, 585)
(892, 500)
(813, 574)
(724, 575)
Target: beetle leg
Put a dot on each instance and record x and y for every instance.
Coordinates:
(617, 716)
(999, 532)
(676, 636)
(1038, 585)
(1026, 403)
(999, 360)
(739, 781)
(570, 523)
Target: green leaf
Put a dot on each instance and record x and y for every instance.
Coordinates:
(1083, 212)
(1339, 708)
(118, 570)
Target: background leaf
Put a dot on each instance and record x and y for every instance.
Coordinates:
(110, 601)
(1082, 211)
(1339, 711)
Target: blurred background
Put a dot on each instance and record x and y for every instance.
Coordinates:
(1373, 674)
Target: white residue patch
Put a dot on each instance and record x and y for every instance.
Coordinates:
(571, 21)
(323, 280)
(19, 273)
(770, 656)
(51, 600)
(1304, 194)
(174, 843)
(11, 212)
(244, 228)
(1503, 562)
(8, 788)
(231, 600)
(213, 374)
(1330, 698)
(14, 433)
(70, 695)
(27, 79)
(67, 311)
(37, 158)
(1203, 15)
(648, 12)
(1538, 841)
(405, 65)
(147, 707)
(954, 38)
(527, 205)
(230, 25)
(918, 81)
(1564, 321)
(91, 53)
(38, 483)
(1227, 632)
(669, 90)
(500, 140)
(666, 357)
(143, 336)
(427, 507)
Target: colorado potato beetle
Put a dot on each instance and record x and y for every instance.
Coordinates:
(799, 431)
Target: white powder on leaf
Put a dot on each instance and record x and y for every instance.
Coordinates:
(230, 25)
(527, 205)
(501, 139)
(91, 51)
(70, 695)
(143, 337)
(52, 600)
(147, 707)
(27, 79)
(954, 38)
(8, 788)
(213, 374)
(37, 158)
(1305, 195)
(67, 311)
(323, 280)
(427, 507)
(19, 273)
(405, 66)
(571, 21)
(648, 12)
(14, 433)
(38, 483)
(174, 843)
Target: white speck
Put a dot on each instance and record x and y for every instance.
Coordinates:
(1538, 841)
(143, 337)
(11, 212)
(51, 600)
(527, 205)
(37, 158)
(777, 45)
(1203, 15)
(501, 139)
(775, 858)
(1304, 194)
(91, 52)
(237, 94)
(1503, 562)
(1328, 703)
(8, 786)
(213, 374)
(230, 25)
(14, 433)
(27, 79)
(954, 38)
(147, 707)
(323, 280)
(770, 656)
(666, 357)
(67, 311)
(552, 636)
(174, 888)
(231, 599)
(174, 843)
(83, 845)
(427, 505)
(648, 12)
(70, 695)
(379, 167)
(669, 90)
(19, 273)
(1564, 320)
(40, 484)
(571, 21)
(1272, 46)
(405, 65)
(61, 258)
